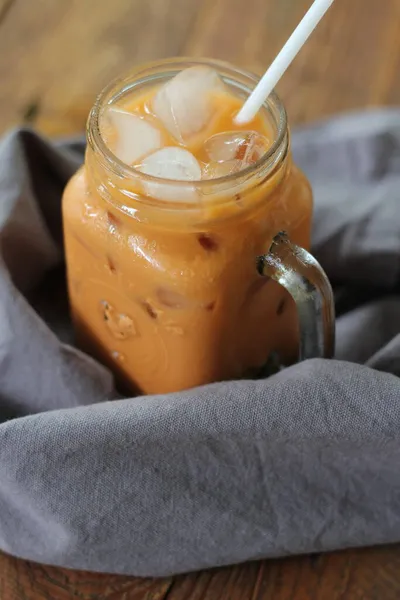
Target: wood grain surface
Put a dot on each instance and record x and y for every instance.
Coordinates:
(351, 575)
(55, 56)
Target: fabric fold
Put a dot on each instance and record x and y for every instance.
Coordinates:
(305, 461)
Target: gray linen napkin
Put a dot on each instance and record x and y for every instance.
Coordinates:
(305, 461)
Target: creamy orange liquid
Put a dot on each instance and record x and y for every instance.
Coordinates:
(170, 300)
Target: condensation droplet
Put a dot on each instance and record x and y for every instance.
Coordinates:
(113, 222)
(150, 310)
(208, 242)
(175, 329)
(281, 307)
(120, 325)
(118, 356)
(170, 298)
(110, 265)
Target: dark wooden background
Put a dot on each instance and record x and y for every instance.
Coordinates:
(55, 56)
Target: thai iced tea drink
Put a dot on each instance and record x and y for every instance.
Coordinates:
(166, 220)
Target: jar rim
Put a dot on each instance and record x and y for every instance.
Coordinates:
(171, 66)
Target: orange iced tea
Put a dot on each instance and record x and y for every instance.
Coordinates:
(165, 221)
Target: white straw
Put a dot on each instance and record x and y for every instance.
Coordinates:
(283, 61)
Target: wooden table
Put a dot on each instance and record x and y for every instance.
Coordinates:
(55, 56)
(352, 575)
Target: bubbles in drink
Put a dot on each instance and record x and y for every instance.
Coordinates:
(187, 102)
(244, 146)
(135, 137)
(171, 163)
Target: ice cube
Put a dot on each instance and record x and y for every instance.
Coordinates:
(135, 137)
(244, 146)
(171, 163)
(185, 104)
(213, 170)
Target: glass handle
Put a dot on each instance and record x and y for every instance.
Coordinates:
(303, 277)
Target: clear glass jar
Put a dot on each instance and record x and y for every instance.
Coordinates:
(168, 294)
